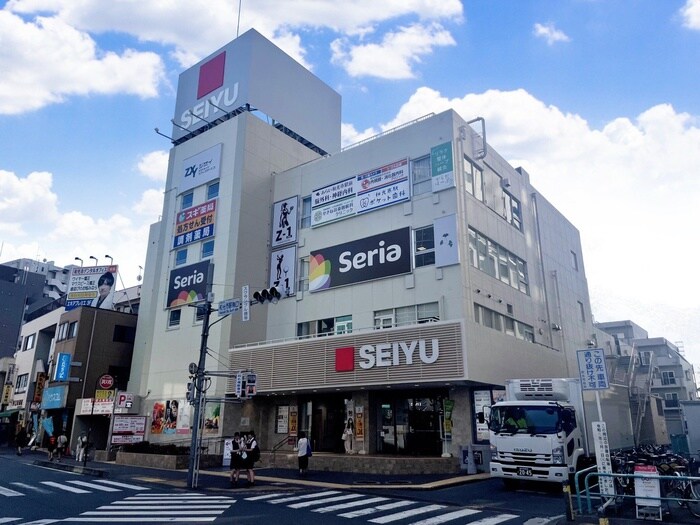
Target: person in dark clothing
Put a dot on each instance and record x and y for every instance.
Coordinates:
(20, 438)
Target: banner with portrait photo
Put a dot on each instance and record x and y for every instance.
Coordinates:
(91, 286)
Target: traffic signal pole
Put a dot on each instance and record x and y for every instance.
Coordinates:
(198, 386)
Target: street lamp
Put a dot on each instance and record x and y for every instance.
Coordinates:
(111, 260)
(93, 257)
(79, 259)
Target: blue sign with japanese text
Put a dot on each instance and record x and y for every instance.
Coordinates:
(62, 367)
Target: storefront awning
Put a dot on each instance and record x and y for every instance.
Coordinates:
(8, 413)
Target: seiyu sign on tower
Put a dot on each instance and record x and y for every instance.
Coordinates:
(374, 257)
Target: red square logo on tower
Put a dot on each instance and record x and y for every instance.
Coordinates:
(211, 75)
(345, 359)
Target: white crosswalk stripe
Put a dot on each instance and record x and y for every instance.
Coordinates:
(71, 485)
(4, 491)
(381, 510)
(145, 508)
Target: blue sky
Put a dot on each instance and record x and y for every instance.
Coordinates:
(596, 99)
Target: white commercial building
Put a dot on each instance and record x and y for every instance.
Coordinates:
(417, 270)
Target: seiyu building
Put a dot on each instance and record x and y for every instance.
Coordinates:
(418, 270)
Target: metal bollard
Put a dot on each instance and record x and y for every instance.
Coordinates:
(568, 502)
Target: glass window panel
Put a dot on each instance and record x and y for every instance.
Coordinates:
(343, 324)
(429, 311)
(187, 199)
(213, 190)
(473, 256)
(207, 249)
(468, 176)
(181, 257)
(405, 315)
(420, 170)
(522, 275)
(174, 317)
(503, 272)
(481, 246)
(492, 259)
(510, 326)
(478, 184)
(306, 212)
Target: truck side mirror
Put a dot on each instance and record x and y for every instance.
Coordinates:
(480, 418)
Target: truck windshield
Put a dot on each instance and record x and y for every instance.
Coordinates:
(526, 419)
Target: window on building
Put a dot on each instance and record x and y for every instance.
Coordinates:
(213, 190)
(668, 378)
(473, 179)
(22, 382)
(303, 274)
(384, 318)
(496, 261)
(511, 211)
(306, 212)
(174, 318)
(187, 200)
(199, 314)
(325, 326)
(181, 257)
(427, 312)
(73, 329)
(207, 249)
(645, 358)
(424, 246)
(581, 311)
(304, 329)
(574, 260)
(420, 173)
(671, 399)
(124, 334)
(29, 341)
(62, 331)
(343, 324)
(497, 321)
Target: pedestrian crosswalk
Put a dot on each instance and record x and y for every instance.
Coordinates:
(382, 510)
(74, 486)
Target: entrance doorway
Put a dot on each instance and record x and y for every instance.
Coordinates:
(408, 423)
(326, 420)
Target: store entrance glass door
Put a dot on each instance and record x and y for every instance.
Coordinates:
(409, 425)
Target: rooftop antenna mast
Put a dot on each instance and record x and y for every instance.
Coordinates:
(238, 24)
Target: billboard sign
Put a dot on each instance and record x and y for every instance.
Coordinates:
(282, 270)
(445, 237)
(62, 371)
(188, 285)
(200, 169)
(441, 167)
(128, 429)
(91, 286)
(592, 370)
(54, 397)
(195, 224)
(383, 255)
(284, 221)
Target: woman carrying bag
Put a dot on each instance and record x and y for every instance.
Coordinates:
(348, 432)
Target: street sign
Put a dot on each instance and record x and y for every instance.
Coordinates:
(245, 300)
(229, 306)
(592, 369)
(106, 382)
(62, 367)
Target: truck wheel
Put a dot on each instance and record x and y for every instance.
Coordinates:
(510, 484)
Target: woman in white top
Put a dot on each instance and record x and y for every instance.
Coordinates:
(303, 453)
(347, 435)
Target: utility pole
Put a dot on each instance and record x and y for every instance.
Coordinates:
(198, 386)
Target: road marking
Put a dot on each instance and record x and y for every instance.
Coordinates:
(122, 485)
(350, 505)
(143, 519)
(93, 486)
(265, 496)
(446, 517)
(9, 520)
(305, 504)
(27, 486)
(378, 508)
(65, 487)
(9, 492)
(305, 496)
(156, 512)
(493, 520)
(406, 514)
(187, 506)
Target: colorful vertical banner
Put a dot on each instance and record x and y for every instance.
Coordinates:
(441, 167)
(359, 422)
(448, 406)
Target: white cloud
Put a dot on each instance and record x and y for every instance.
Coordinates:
(394, 56)
(26, 201)
(691, 14)
(154, 165)
(151, 204)
(550, 33)
(46, 60)
(630, 188)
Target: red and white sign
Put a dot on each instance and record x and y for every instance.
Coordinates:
(106, 382)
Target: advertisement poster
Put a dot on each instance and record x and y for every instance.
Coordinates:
(359, 422)
(201, 168)
(482, 399)
(212, 413)
(448, 406)
(194, 224)
(158, 417)
(441, 167)
(293, 420)
(172, 409)
(446, 246)
(184, 418)
(91, 286)
(282, 419)
(128, 429)
(282, 270)
(284, 221)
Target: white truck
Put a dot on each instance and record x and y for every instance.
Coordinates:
(542, 430)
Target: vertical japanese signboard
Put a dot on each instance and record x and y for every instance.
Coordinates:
(592, 370)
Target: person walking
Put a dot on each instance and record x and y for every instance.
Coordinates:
(303, 453)
(51, 447)
(81, 448)
(61, 444)
(20, 438)
(348, 432)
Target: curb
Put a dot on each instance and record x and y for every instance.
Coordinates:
(79, 469)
